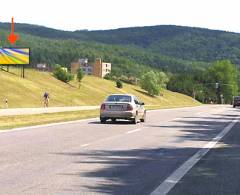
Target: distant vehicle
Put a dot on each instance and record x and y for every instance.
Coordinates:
(236, 101)
(122, 106)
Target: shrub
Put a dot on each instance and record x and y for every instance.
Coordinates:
(119, 84)
(153, 82)
(108, 76)
(80, 75)
(62, 74)
(128, 79)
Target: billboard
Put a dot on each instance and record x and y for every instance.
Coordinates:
(14, 56)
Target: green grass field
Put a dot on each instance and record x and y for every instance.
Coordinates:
(28, 92)
(9, 122)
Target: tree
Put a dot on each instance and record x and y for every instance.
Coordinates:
(162, 80)
(153, 82)
(62, 74)
(119, 84)
(80, 75)
(183, 83)
(226, 74)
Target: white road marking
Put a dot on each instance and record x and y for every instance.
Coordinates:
(85, 145)
(45, 125)
(109, 138)
(176, 119)
(133, 131)
(178, 174)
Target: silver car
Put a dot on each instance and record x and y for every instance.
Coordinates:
(122, 106)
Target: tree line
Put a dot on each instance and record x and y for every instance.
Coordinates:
(217, 83)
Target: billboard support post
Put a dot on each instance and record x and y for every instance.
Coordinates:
(22, 72)
(23, 69)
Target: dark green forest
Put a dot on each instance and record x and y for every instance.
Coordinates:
(63, 47)
(186, 43)
(184, 53)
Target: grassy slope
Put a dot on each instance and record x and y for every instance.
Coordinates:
(8, 122)
(28, 92)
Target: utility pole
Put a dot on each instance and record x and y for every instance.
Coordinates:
(220, 97)
(218, 90)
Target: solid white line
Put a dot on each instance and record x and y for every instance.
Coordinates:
(178, 174)
(46, 125)
(133, 131)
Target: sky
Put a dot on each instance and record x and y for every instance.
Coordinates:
(110, 14)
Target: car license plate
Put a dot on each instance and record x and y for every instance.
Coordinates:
(116, 107)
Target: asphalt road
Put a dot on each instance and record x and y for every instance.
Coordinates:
(92, 158)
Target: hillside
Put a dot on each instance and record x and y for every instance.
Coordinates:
(183, 53)
(164, 41)
(28, 92)
(126, 60)
(186, 43)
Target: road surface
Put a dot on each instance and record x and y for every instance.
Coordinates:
(92, 158)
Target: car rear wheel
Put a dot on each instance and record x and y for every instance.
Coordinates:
(113, 120)
(103, 120)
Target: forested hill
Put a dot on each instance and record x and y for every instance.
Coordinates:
(131, 50)
(180, 42)
(194, 44)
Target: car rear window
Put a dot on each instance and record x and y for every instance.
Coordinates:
(119, 98)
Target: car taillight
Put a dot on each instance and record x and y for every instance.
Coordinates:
(129, 107)
(103, 107)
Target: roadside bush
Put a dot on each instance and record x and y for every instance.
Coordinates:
(119, 84)
(62, 74)
(153, 82)
(128, 79)
(108, 76)
(80, 75)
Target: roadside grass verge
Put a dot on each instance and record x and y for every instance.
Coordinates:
(10, 122)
